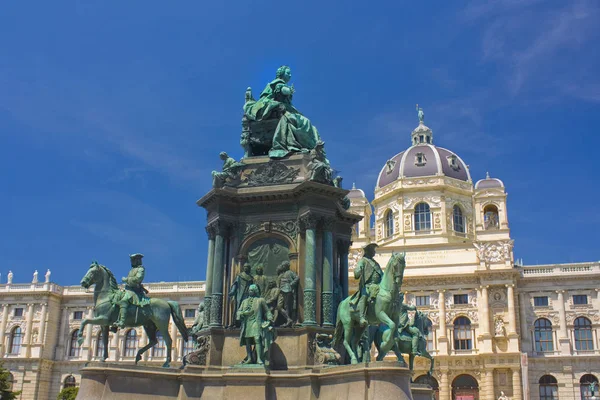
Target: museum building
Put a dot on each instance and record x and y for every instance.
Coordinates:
(500, 328)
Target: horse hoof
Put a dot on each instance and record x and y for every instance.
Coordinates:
(166, 365)
(353, 361)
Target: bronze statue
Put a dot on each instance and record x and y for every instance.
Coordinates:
(369, 274)
(287, 282)
(260, 280)
(275, 302)
(405, 325)
(256, 329)
(320, 170)
(240, 287)
(230, 172)
(199, 323)
(154, 317)
(134, 292)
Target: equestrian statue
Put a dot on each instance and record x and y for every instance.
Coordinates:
(115, 308)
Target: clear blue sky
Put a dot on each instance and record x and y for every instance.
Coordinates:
(112, 114)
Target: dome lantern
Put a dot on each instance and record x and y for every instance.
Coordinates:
(422, 134)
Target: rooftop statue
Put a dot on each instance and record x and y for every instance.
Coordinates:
(154, 314)
(230, 172)
(420, 114)
(294, 132)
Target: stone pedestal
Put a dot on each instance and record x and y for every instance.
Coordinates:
(380, 380)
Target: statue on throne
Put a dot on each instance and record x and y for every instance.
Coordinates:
(293, 132)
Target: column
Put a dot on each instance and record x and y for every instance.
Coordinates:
(310, 270)
(42, 332)
(29, 322)
(442, 307)
(562, 315)
(516, 384)
(343, 252)
(5, 310)
(209, 269)
(512, 312)
(489, 383)
(114, 344)
(327, 279)
(445, 389)
(88, 334)
(485, 311)
(174, 346)
(62, 333)
(216, 305)
(143, 342)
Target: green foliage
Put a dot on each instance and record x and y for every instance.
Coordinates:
(68, 393)
(5, 384)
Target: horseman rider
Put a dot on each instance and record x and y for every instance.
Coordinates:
(369, 272)
(406, 325)
(135, 292)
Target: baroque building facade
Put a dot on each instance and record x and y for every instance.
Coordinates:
(529, 332)
(39, 323)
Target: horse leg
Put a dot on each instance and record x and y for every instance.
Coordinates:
(164, 328)
(150, 329)
(105, 342)
(387, 343)
(101, 320)
(347, 339)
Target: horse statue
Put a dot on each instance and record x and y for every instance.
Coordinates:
(384, 310)
(153, 317)
(403, 340)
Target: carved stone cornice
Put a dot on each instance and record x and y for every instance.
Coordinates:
(287, 227)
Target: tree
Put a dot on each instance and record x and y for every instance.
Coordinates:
(68, 393)
(6, 382)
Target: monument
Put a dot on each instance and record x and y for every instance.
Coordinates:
(277, 268)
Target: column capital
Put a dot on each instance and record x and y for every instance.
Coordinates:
(484, 287)
(344, 245)
(511, 285)
(328, 223)
(308, 221)
(441, 290)
(211, 232)
(219, 227)
(561, 292)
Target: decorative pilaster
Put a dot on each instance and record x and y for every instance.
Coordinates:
(485, 313)
(445, 390)
(562, 314)
(343, 250)
(442, 307)
(42, 332)
(28, 333)
(309, 223)
(327, 279)
(512, 312)
(210, 231)
(489, 383)
(5, 310)
(516, 384)
(216, 306)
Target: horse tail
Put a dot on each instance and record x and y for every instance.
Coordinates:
(338, 334)
(178, 319)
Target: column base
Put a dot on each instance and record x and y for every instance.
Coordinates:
(310, 307)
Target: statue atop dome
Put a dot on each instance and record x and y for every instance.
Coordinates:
(272, 125)
(421, 114)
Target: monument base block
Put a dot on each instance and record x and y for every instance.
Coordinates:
(373, 381)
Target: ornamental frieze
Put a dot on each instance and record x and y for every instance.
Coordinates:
(433, 201)
(289, 227)
(494, 252)
(271, 173)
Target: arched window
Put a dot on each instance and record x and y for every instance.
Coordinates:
(16, 338)
(74, 347)
(131, 342)
(548, 388)
(422, 217)
(159, 350)
(458, 219)
(70, 381)
(542, 332)
(389, 223)
(431, 381)
(100, 345)
(462, 334)
(585, 388)
(583, 334)
(430, 339)
(465, 386)
(490, 217)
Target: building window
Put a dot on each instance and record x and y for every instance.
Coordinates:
(584, 387)
(462, 334)
(461, 299)
(18, 313)
(159, 350)
(16, 338)
(490, 217)
(70, 381)
(421, 301)
(431, 381)
(540, 301)
(422, 217)
(458, 219)
(583, 334)
(188, 346)
(543, 335)
(430, 339)
(579, 299)
(100, 345)
(131, 342)
(78, 315)
(190, 313)
(420, 158)
(389, 223)
(74, 347)
(548, 388)
(453, 162)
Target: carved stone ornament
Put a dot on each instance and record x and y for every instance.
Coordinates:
(494, 252)
(271, 173)
(289, 227)
(433, 201)
(198, 357)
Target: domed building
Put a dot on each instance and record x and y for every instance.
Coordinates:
(459, 259)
